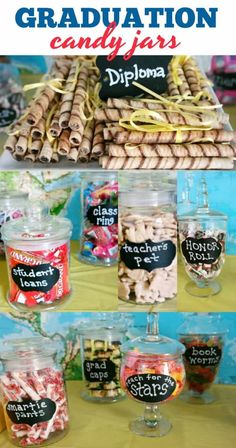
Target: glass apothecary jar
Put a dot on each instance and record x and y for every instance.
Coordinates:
(11, 95)
(38, 250)
(202, 235)
(33, 392)
(147, 244)
(99, 227)
(12, 206)
(152, 373)
(100, 342)
(203, 338)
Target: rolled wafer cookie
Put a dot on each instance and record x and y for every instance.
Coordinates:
(86, 143)
(10, 143)
(73, 154)
(172, 150)
(21, 145)
(46, 152)
(64, 143)
(30, 157)
(195, 79)
(76, 122)
(152, 163)
(67, 98)
(182, 87)
(35, 147)
(38, 130)
(98, 145)
(55, 129)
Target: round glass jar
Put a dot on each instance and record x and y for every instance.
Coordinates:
(202, 235)
(100, 342)
(37, 251)
(12, 206)
(203, 338)
(99, 227)
(11, 95)
(152, 373)
(147, 246)
(33, 392)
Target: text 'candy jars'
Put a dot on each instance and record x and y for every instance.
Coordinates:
(203, 337)
(101, 339)
(37, 250)
(202, 236)
(99, 230)
(152, 372)
(147, 243)
(12, 205)
(33, 392)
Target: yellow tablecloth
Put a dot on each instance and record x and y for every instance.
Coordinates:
(224, 301)
(106, 426)
(94, 288)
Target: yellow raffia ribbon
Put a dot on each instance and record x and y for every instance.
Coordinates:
(55, 84)
(177, 61)
(48, 122)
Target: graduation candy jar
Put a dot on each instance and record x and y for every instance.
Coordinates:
(37, 251)
(152, 373)
(12, 205)
(147, 244)
(99, 230)
(202, 235)
(100, 342)
(203, 338)
(33, 392)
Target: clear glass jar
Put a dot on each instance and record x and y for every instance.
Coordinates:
(100, 342)
(147, 244)
(99, 228)
(38, 251)
(203, 338)
(152, 372)
(12, 206)
(202, 235)
(11, 95)
(33, 392)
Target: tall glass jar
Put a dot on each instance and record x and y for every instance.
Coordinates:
(100, 342)
(203, 337)
(99, 227)
(147, 244)
(33, 392)
(202, 235)
(37, 250)
(12, 206)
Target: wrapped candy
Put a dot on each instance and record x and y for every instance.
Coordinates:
(99, 232)
(37, 250)
(33, 393)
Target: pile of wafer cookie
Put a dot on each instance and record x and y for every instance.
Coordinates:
(183, 128)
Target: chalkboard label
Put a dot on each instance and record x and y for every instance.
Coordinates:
(30, 412)
(98, 370)
(117, 76)
(226, 81)
(201, 250)
(148, 255)
(35, 278)
(203, 355)
(7, 116)
(149, 387)
(103, 215)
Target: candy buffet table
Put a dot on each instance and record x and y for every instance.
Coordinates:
(224, 301)
(93, 287)
(105, 426)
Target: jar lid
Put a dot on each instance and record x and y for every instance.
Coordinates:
(146, 198)
(202, 214)
(37, 226)
(202, 323)
(9, 198)
(104, 325)
(149, 345)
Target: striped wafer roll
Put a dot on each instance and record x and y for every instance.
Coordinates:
(55, 156)
(86, 143)
(182, 87)
(18, 157)
(77, 122)
(36, 146)
(64, 143)
(55, 129)
(120, 136)
(38, 130)
(182, 150)
(73, 154)
(75, 138)
(98, 146)
(67, 98)
(10, 143)
(196, 81)
(166, 163)
(46, 152)
(30, 157)
(21, 145)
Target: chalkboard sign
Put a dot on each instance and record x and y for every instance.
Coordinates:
(98, 370)
(103, 215)
(7, 116)
(225, 81)
(117, 76)
(148, 255)
(203, 355)
(35, 278)
(30, 412)
(201, 250)
(151, 388)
